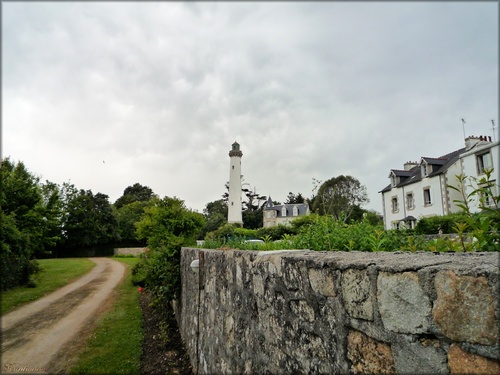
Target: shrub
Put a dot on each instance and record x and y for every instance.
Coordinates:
(167, 225)
(435, 224)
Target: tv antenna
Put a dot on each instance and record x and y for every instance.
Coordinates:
(463, 127)
(493, 127)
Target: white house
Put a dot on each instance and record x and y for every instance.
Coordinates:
(421, 188)
(284, 213)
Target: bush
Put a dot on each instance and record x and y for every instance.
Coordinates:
(432, 225)
(167, 225)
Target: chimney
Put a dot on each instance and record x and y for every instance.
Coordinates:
(409, 165)
(471, 141)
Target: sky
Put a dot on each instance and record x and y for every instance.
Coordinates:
(108, 94)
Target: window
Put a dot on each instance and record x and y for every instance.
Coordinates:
(393, 181)
(394, 203)
(424, 170)
(295, 211)
(427, 197)
(410, 202)
(484, 162)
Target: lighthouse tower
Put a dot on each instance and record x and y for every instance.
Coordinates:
(234, 201)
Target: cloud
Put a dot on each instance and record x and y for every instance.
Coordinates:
(310, 90)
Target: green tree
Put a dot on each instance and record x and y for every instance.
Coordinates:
(167, 225)
(89, 220)
(294, 199)
(215, 214)
(22, 227)
(134, 193)
(127, 217)
(339, 197)
(253, 208)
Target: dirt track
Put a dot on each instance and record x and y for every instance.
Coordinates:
(38, 337)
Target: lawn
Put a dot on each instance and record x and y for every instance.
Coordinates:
(55, 274)
(115, 345)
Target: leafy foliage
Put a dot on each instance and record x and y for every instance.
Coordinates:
(23, 227)
(215, 214)
(339, 197)
(89, 220)
(167, 225)
(439, 224)
(127, 216)
(294, 199)
(484, 226)
(134, 193)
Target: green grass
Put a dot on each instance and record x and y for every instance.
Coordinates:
(115, 345)
(55, 274)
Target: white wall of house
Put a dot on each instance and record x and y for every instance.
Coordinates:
(427, 187)
(271, 217)
(442, 197)
(472, 162)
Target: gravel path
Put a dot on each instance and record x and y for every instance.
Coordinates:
(38, 335)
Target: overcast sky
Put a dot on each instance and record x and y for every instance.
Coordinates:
(104, 95)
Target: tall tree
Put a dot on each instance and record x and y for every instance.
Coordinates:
(339, 197)
(134, 193)
(294, 199)
(89, 220)
(127, 217)
(253, 208)
(168, 223)
(24, 229)
(215, 214)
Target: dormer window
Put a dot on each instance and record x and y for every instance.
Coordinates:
(283, 211)
(295, 211)
(425, 169)
(394, 181)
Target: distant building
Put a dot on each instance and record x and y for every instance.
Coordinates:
(234, 214)
(421, 189)
(283, 213)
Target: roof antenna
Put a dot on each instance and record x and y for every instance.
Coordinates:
(493, 127)
(463, 127)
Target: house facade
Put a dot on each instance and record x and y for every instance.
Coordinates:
(284, 213)
(421, 188)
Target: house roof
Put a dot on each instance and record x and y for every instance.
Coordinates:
(441, 164)
(302, 208)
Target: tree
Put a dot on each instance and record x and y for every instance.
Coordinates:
(252, 207)
(339, 197)
(254, 200)
(294, 199)
(22, 227)
(134, 193)
(127, 216)
(89, 219)
(215, 214)
(167, 225)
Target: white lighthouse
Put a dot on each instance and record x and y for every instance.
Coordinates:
(234, 201)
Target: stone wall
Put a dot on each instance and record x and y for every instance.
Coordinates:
(283, 312)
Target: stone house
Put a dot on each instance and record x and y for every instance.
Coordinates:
(283, 213)
(421, 189)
